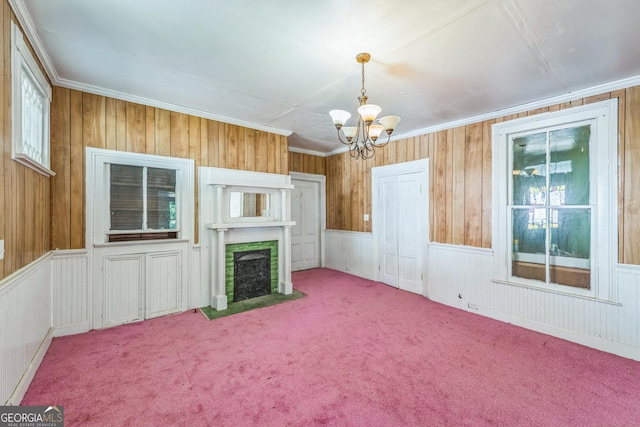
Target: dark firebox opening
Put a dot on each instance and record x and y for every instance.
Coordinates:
(251, 274)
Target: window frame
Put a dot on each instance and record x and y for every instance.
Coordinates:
(603, 186)
(98, 195)
(23, 64)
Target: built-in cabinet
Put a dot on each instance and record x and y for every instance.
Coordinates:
(138, 267)
(139, 282)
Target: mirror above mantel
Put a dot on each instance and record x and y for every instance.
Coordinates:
(245, 204)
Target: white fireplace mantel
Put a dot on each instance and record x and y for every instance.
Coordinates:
(217, 228)
(250, 224)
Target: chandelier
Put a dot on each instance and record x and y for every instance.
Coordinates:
(362, 138)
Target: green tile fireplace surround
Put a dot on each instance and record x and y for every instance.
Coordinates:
(231, 249)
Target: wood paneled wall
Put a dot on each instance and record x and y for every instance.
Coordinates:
(349, 181)
(24, 193)
(460, 178)
(305, 163)
(80, 120)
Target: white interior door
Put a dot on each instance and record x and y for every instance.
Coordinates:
(305, 235)
(401, 210)
(389, 231)
(409, 225)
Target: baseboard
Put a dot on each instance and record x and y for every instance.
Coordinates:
(30, 372)
(353, 273)
(76, 328)
(619, 349)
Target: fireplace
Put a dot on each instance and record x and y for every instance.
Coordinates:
(251, 274)
(251, 270)
(223, 227)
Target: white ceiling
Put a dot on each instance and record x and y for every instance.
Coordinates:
(281, 65)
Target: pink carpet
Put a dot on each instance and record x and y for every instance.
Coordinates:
(351, 353)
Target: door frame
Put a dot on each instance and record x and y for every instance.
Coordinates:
(322, 205)
(421, 165)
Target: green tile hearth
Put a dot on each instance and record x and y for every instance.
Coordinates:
(251, 304)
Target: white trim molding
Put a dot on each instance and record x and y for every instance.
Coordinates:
(30, 105)
(571, 96)
(24, 18)
(305, 151)
(602, 117)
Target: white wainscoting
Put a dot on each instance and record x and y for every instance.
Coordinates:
(25, 321)
(351, 252)
(462, 277)
(70, 292)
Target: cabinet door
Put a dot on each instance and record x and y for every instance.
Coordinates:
(124, 286)
(163, 283)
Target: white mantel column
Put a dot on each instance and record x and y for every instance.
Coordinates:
(286, 287)
(218, 287)
(219, 205)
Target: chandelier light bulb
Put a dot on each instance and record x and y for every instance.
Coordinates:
(389, 123)
(369, 112)
(349, 132)
(339, 117)
(375, 131)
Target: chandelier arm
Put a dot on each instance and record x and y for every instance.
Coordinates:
(341, 140)
(382, 144)
(356, 137)
(365, 131)
(369, 154)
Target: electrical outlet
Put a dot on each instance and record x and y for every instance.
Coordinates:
(1, 249)
(472, 306)
(366, 217)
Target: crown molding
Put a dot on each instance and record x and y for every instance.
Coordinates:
(97, 90)
(571, 96)
(305, 151)
(29, 28)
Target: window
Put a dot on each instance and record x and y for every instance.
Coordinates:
(555, 204)
(30, 99)
(142, 203)
(134, 196)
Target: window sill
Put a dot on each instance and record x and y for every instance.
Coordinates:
(32, 164)
(139, 243)
(557, 291)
